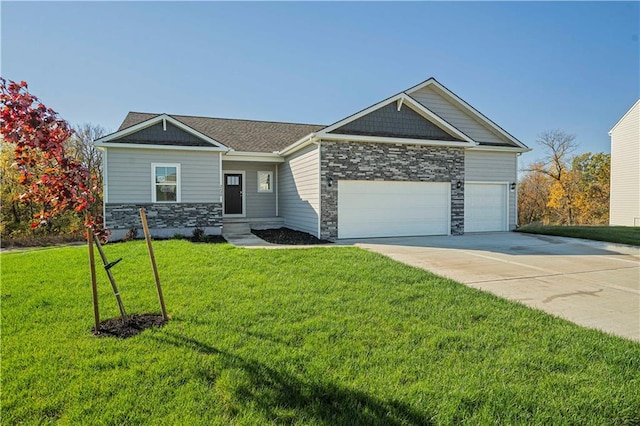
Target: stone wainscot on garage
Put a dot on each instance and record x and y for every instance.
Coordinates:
(422, 162)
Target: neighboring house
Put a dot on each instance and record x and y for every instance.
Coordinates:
(422, 162)
(625, 169)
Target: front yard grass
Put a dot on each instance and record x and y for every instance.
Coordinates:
(309, 336)
(612, 234)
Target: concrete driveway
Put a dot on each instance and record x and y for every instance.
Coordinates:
(590, 283)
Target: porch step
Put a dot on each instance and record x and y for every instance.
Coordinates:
(238, 228)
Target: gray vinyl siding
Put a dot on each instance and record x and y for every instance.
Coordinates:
(299, 193)
(625, 170)
(129, 172)
(489, 166)
(471, 127)
(258, 204)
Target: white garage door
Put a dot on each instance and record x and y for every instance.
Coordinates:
(485, 207)
(392, 209)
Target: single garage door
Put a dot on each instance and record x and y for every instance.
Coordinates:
(392, 209)
(485, 207)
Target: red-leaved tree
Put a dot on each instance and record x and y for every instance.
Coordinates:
(51, 177)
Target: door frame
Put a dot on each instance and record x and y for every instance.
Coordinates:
(505, 185)
(244, 192)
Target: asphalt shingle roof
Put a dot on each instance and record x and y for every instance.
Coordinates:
(240, 135)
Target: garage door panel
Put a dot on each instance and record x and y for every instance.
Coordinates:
(485, 207)
(384, 209)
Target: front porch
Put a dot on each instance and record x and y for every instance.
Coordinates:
(244, 225)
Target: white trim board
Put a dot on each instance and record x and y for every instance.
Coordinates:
(386, 140)
(256, 157)
(155, 120)
(159, 147)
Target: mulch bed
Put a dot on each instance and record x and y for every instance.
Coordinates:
(208, 239)
(137, 324)
(287, 236)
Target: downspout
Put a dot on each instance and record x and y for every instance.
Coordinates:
(105, 188)
(515, 195)
(277, 182)
(319, 143)
(220, 176)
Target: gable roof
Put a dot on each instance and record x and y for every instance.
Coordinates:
(634, 106)
(455, 99)
(239, 135)
(278, 137)
(402, 99)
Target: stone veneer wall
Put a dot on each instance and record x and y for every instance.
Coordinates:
(164, 219)
(391, 162)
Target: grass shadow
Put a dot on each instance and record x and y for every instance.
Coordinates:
(285, 398)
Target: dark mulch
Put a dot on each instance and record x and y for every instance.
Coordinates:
(137, 323)
(209, 239)
(287, 236)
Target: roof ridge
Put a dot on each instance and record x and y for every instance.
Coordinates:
(226, 118)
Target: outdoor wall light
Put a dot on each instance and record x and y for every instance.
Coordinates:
(329, 181)
(459, 184)
(513, 186)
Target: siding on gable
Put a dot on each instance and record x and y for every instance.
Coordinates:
(258, 204)
(299, 192)
(460, 119)
(490, 166)
(129, 174)
(625, 170)
(389, 122)
(156, 135)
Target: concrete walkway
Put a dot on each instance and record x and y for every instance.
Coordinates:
(591, 283)
(246, 240)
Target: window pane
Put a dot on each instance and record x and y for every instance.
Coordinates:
(166, 174)
(264, 181)
(172, 174)
(166, 193)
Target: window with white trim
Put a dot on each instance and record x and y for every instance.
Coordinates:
(165, 183)
(265, 181)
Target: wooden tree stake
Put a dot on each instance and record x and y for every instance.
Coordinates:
(94, 284)
(107, 268)
(147, 236)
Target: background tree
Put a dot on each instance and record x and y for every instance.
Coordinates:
(50, 177)
(564, 188)
(592, 199)
(533, 195)
(17, 214)
(558, 146)
(81, 147)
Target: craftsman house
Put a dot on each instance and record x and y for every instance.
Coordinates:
(422, 162)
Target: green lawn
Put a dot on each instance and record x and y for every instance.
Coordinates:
(613, 234)
(304, 336)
